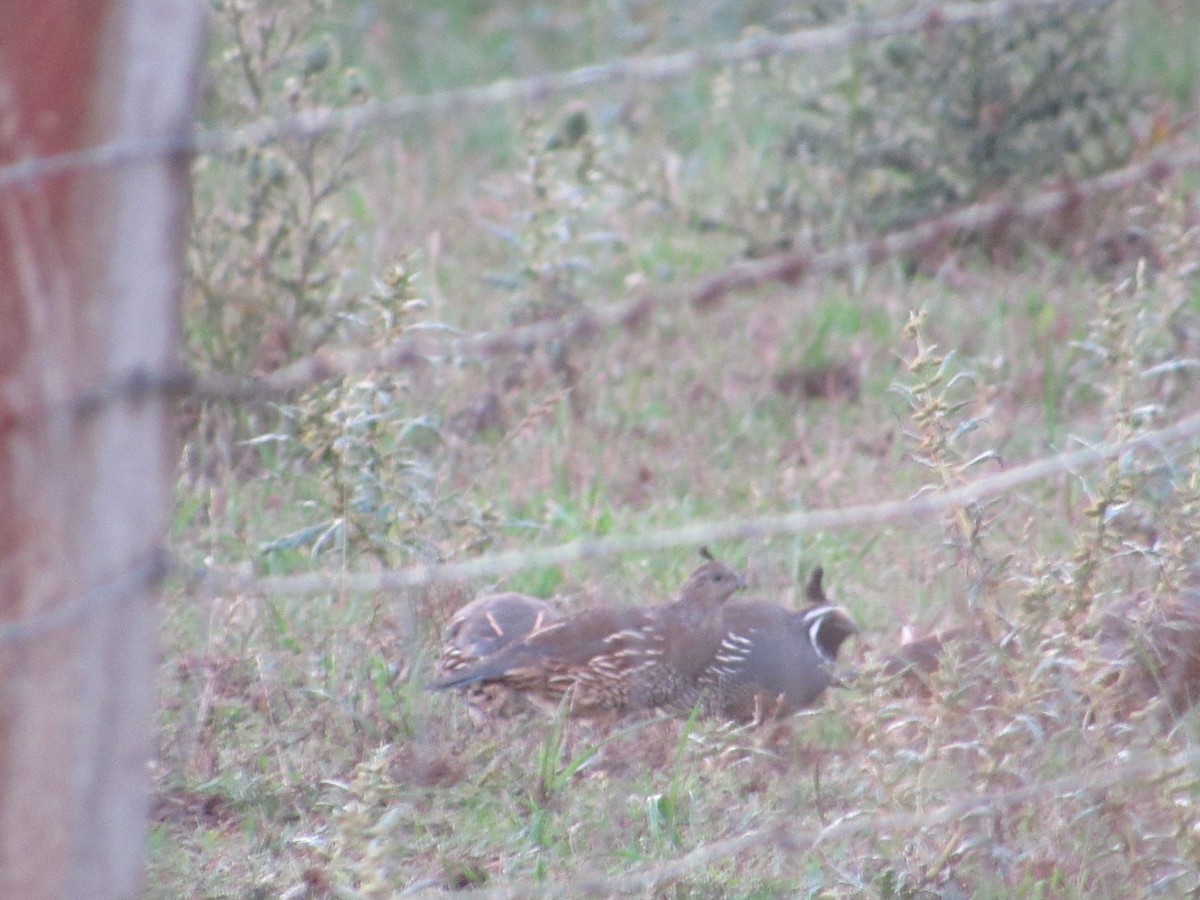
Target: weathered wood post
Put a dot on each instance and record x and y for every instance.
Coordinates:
(89, 282)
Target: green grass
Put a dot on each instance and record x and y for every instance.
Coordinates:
(297, 744)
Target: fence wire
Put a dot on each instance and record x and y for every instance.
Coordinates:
(695, 534)
(140, 577)
(790, 268)
(628, 70)
(702, 293)
(155, 567)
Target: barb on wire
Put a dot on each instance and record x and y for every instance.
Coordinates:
(703, 293)
(313, 123)
(786, 837)
(695, 534)
(144, 574)
(134, 386)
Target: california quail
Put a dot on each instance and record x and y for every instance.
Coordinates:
(1152, 646)
(617, 659)
(490, 623)
(909, 670)
(485, 626)
(772, 661)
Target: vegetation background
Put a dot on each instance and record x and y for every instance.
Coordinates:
(299, 755)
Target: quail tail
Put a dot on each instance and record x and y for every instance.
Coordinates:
(483, 670)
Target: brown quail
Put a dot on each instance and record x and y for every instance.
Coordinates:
(486, 626)
(614, 660)
(490, 623)
(1153, 648)
(773, 661)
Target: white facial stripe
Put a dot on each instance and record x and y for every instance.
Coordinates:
(819, 613)
(816, 619)
(814, 638)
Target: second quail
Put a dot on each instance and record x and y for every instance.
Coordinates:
(773, 661)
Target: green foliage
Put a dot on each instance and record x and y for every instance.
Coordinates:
(552, 775)
(269, 224)
(1163, 48)
(901, 128)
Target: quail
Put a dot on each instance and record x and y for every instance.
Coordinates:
(772, 661)
(486, 626)
(613, 660)
(1152, 646)
(490, 623)
(908, 671)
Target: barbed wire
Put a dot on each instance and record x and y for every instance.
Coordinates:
(921, 506)
(429, 346)
(791, 268)
(934, 234)
(425, 348)
(785, 836)
(318, 122)
(135, 386)
(140, 576)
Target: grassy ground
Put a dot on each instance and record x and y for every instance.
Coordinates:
(298, 751)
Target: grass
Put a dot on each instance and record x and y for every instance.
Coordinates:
(298, 750)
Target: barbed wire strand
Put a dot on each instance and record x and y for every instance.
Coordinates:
(315, 123)
(410, 351)
(783, 835)
(702, 293)
(139, 577)
(923, 505)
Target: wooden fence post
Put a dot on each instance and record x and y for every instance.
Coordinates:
(89, 280)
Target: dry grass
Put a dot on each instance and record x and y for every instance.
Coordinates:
(298, 752)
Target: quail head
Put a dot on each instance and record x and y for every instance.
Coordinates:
(772, 661)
